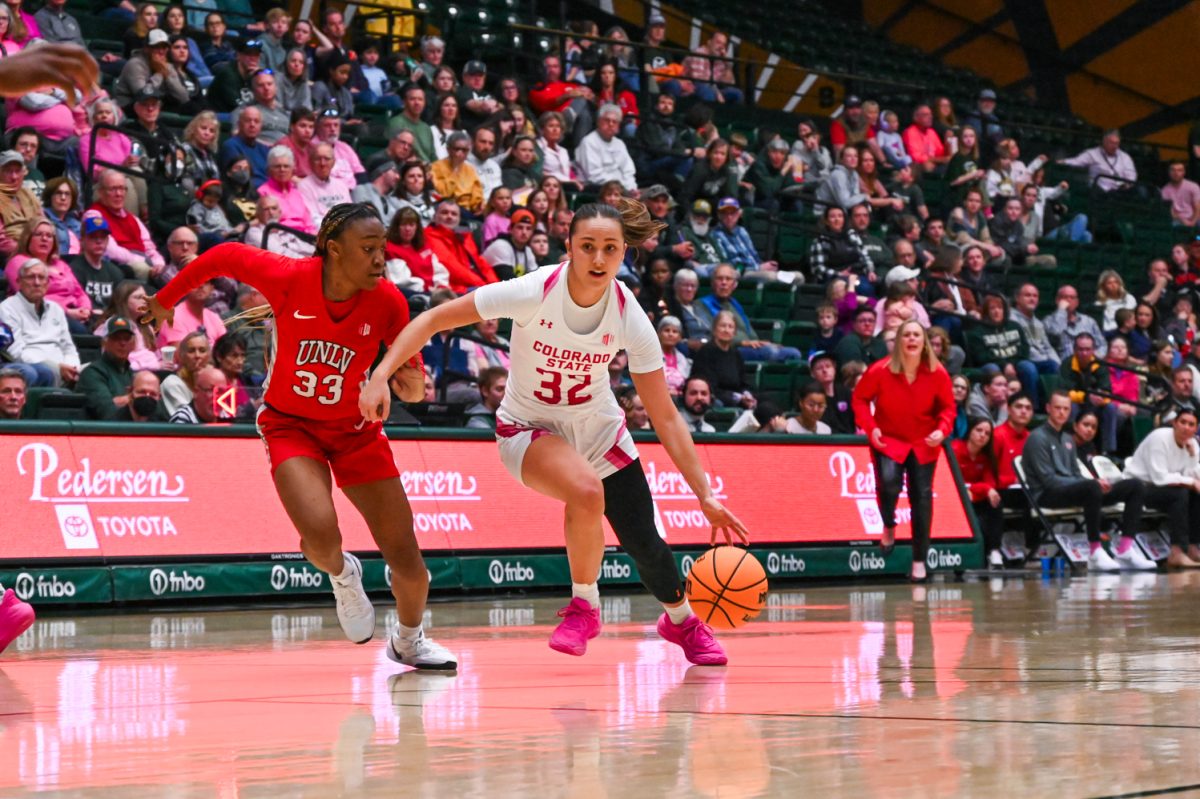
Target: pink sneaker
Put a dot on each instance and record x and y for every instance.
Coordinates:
(15, 618)
(580, 623)
(695, 638)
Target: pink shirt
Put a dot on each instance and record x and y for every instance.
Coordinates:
(56, 122)
(346, 165)
(319, 196)
(111, 146)
(291, 203)
(1183, 199)
(1125, 384)
(185, 322)
(923, 145)
(63, 289)
(495, 225)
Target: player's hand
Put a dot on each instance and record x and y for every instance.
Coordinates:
(877, 439)
(409, 382)
(156, 314)
(375, 399)
(724, 522)
(66, 66)
(934, 439)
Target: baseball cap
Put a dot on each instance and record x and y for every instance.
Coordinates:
(94, 222)
(778, 144)
(853, 101)
(656, 18)
(988, 372)
(11, 157)
(147, 92)
(657, 190)
(702, 208)
(523, 215)
(382, 168)
(728, 202)
(987, 94)
(820, 355)
(475, 68)
(119, 324)
(249, 45)
(206, 185)
(899, 274)
(157, 38)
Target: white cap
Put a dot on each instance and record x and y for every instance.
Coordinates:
(157, 37)
(899, 274)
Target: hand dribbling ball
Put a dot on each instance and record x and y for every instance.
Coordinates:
(727, 587)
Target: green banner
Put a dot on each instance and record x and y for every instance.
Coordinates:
(443, 573)
(618, 569)
(794, 563)
(60, 586)
(514, 571)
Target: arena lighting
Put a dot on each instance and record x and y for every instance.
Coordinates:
(483, 16)
(485, 38)
(513, 19)
(517, 40)
(422, 6)
(452, 10)
(544, 44)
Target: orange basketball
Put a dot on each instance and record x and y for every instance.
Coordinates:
(727, 587)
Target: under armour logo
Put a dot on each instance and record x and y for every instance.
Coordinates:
(545, 323)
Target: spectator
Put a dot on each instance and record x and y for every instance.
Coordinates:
(811, 404)
(807, 151)
(948, 301)
(283, 242)
(320, 191)
(1157, 289)
(1125, 383)
(977, 461)
(27, 142)
(276, 120)
(697, 401)
(231, 81)
(602, 156)
(1009, 442)
(1182, 395)
(839, 411)
(111, 146)
(1052, 475)
(828, 332)
(457, 251)
(106, 382)
(299, 139)
(880, 254)
(838, 251)
(253, 333)
(698, 232)
(923, 143)
(520, 172)
(1066, 323)
(42, 345)
(200, 151)
(229, 355)
(712, 178)
(56, 25)
(968, 226)
(851, 127)
(192, 315)
(39, 242)
(293, 86)
(774, 179)
(410, 119)
(734, 240)
(455, 179)
(93, 271)
(677, 366)
(1183, 194)
(998, 340)
(890, 142)
(145, 20)
(18, 205)
(482, 415)
(1082, 376)
(245, 144)
(295, 212)
(571, 100)
(399, 150)
(144, 400)
(433, 50)
(178, 56)
(1042, 352)
(1166, 462)
(210, 385)
(1008, 232)
(964, 171)
(985, 122)
(510, 254)
(274, 51)
(720, 361)
(872, 186)
(665, 147)
(1109, 167)
(216, 48)
(475, 103)
(206, 218)
(496, 212)
(989, 397)
(415, 192)
(843, 189)
(693, 314)
(901, 276)
(60, 201)
(861, 343)
(192, 355)
(13, 388)
(608, 87)
(379, 193)
(129, 301)
(445, 124)
(481, 159)
(1111, 296)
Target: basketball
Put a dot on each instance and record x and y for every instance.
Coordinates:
(727, 587)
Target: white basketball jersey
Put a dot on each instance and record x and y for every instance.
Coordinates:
(555, 372)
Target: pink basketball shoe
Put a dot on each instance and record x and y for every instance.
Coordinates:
(15, 618)
(695, 638)
(580, 623)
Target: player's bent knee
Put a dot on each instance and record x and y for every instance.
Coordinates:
(586, 496)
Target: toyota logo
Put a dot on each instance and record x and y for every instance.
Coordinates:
(496, 572)
(279, 578)
(76, 526)
(158, 582)
(25, 585)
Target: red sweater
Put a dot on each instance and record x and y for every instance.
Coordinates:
(125, 230)
(419, 263)
(1008, 443)
(460, 256)
(906, 413)
(549, 96)
(977, 472)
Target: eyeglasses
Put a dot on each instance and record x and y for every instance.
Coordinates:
(183, 243)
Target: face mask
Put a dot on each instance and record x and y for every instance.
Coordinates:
(240, 176)
(145, 406)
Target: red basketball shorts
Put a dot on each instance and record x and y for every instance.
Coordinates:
(357, 451)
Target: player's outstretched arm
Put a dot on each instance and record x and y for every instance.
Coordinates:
(67, 66)
(675, 436)
(375, 399)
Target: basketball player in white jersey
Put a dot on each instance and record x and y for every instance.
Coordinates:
(559, 427)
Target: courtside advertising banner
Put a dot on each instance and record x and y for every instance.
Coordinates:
(84, 496)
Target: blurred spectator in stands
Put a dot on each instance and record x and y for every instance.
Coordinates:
(106, 382)
(40, 242)
(901, 275)
(207, 218)
(611, 192)
(951, 356)
(347, 166)
(519, 170)
(399, 150)
(433, 50)
(144, 404)
(191, 355)
(510, 254)
(989, 397)
(39, 117)
(281, 185)
(144, 21)
(216, 47)
(42, 345)
(850, 128)
(496, 212)
(665, 147)
(283, 242)
(192, 314)
(843, 189)
(837, 250)
(609, 88)
(947, 301)
(319, 190)
(714, 78)
(457, 251)
(775, 179)
(1181, 396)
(445, 123)
(128, 300)
(229, 355)
(572, 100)
(1125, 383)
(602, 155)
(945, 122)
(274, 48)
(455, 179)
(231, 81)
(960, 386)
(410, 119)
(861, 343)
(693, 314)
(379, 193)
(57, 25)
(1083, 374)
(1008, 232)
(655, 58)
(985, 122)
(812, 405)
(656, 287)
(1157, 288)
(1009, 441)
(143, 127)
(1160, 374)
(964, 170)
(276, 121)
(923, 143)
(253, 332)
(1041, 351)
(482, 415)
(1109, 167)
(897, 306)
(245, 144)
(636, 417)
(879, 253)
(200, 151)
(1067, 322)
(211, 383)
(968, 226)
(475, 102)
(808, 152)
(292, 83)
(1140, 328)
(483, 148)
(734, 240)
(13, 388)
(111, 145)
(27, 142)
(696, 402)
(94, 272)
(839, 413)
(178, 57)
(556, 161)
(1183, 194)
(741, 159)
(677, 366)
(890, 142)
(18, 205)
(977, 461)
(711, 178)
(60, 204)
(997, 339)
(904, 254)
(699, 233)
(906, 189)
(877, 195)
(1166, 461)
(558, 231)
(1112, 296)
(301, 130)
(828, 332)
(492, 353)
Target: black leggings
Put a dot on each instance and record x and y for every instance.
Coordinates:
(1182, 506)
(991, 523)
(629, 508)
(1087, 494)
(889, 478)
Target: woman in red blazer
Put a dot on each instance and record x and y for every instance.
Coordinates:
(905, 406)
(977, 462)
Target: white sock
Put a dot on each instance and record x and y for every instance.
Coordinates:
(347, 569)
(680, 613)
(588, 592)
(409, 634)
(918, 570)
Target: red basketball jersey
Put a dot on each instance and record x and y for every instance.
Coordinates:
(323, 350)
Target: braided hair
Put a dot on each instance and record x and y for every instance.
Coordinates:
(338, 218)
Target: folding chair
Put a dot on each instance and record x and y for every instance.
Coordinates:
(1073, 544)
(1154, 544)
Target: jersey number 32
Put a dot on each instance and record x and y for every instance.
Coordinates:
(551, 389)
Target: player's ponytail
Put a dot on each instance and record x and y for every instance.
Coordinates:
(636, 223)
(338, 218)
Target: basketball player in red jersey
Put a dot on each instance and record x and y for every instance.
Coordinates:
(332, 312)
(559, 428)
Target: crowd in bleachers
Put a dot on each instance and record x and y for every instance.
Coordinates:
(785, 267)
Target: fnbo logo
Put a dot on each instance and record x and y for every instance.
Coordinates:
(784, 564)
(278, 578)
(500, 572)
(935, 558)
(869, 561)
(686, 564)
(183, 583)
(24, 586)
